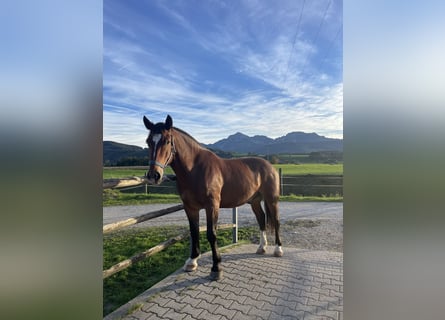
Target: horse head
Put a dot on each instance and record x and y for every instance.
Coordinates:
(161, 148)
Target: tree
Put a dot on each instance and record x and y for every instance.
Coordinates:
(274, 159)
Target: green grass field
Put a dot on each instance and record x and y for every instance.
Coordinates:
(287, 169)
(310, 168)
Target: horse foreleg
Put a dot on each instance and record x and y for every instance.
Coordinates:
(192, 263)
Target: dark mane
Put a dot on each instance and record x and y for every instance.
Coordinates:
(189, 136)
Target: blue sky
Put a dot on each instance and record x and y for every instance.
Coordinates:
(219, 67)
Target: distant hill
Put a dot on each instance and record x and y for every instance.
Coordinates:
(113, 152)
(294, 142)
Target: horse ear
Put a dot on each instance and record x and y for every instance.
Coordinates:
(148, 124)
(168, 122)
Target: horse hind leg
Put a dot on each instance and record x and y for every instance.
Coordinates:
(274, 221)
(261, 218)
(216, 272)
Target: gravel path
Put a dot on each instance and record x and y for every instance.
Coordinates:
(305, 225)
(313, 234)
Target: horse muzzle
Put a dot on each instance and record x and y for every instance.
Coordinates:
(154, 176)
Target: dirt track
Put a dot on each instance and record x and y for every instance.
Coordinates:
(305, 225)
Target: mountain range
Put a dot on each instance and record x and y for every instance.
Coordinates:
(294, 142)
(291, 143)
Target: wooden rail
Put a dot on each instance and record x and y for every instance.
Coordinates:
(140, 256)
(114, 183)
(154, 214)
(121, 183)
(164, 245)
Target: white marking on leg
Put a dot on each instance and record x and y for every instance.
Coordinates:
(263, 243)
(191, 264)
(278, 252)
(263, 239)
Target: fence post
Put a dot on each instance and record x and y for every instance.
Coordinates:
(235, 227)
(146, 188)
(280, 173)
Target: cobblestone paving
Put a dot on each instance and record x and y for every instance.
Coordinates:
(302, 284)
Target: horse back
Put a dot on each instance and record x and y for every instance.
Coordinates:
(232, 182)
(246, 177)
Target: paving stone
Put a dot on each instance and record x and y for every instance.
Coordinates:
(223, 311)
(211, 307)
(302, 284)
(243, 308)
(192, 310)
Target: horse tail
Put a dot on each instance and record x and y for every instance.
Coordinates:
(271, 203)
(271, 215)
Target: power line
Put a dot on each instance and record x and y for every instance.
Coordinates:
(322, 21)
(317, 34)
(295, 40)
(331, 46)
(327, 52)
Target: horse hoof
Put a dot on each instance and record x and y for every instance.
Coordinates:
(216, 275)
(261, 250)
(190, 267)
(278, 252)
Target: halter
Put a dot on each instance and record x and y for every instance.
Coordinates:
(172, 154)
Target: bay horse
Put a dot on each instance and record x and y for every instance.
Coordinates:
(205, 181)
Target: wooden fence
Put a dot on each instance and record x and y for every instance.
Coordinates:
(164, 245)
(305, 185)
(311, 185)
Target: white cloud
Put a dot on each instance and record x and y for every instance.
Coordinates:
(258, 45)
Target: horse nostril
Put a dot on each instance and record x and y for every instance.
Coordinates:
(157, 176)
